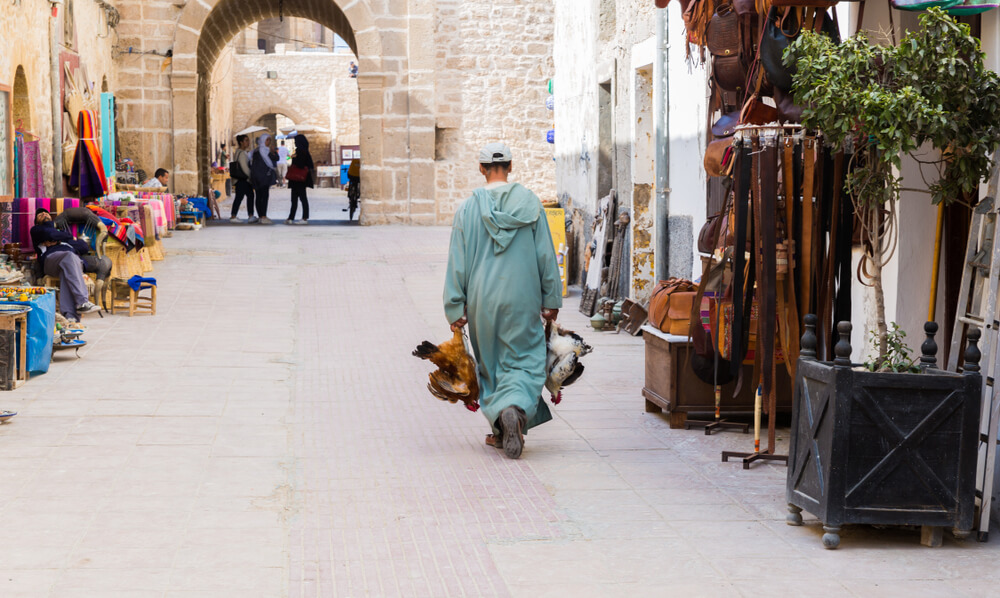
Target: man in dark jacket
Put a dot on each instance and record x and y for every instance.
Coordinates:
(59, 254)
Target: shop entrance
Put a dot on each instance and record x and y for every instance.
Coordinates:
(202, 39)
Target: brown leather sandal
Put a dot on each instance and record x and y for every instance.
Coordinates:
(494, 441)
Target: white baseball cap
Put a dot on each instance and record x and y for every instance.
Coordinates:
(495, 152)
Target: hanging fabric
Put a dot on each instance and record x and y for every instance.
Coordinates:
(32, 183)
(88, 168)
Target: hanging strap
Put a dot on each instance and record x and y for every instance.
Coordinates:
(808, 222)
(830, 263)
(765, 207)
(788, 320)
(740, 283)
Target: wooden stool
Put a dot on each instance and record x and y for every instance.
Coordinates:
(122, 296)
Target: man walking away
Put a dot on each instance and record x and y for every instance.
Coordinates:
(282, 163)
(502, 274)
(241, 174)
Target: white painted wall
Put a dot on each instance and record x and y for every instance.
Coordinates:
(576, 103)
(688, 124)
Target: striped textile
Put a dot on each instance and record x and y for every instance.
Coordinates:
(88, 168)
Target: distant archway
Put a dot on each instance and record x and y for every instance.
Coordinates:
(204, 29)
(257, 116)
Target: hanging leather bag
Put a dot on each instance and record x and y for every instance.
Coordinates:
(729, 68)
(719, 157)
(782, 27)
(670, 305)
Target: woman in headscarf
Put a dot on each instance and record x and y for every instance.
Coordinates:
(301, 161)
(263, 174)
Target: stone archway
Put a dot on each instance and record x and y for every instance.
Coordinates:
(206, 26)
(259, 114)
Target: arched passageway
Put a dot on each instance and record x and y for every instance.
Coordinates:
(207, 26)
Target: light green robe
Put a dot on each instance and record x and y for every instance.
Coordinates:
(502, 271)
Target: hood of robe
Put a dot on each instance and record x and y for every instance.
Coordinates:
(505, 210)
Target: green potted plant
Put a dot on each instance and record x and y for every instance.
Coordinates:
(884, 445)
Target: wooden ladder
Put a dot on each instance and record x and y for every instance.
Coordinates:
(981, 284)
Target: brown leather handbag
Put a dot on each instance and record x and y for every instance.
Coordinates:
(729, 69)
(670, 305)
(719, 157)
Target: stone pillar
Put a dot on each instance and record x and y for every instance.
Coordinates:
(420, 103)
(376, 183)
(184, 178)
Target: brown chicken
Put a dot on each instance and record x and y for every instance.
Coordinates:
(455, 379)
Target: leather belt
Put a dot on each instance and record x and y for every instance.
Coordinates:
(808, 224)
(741, 279)
(765, 210)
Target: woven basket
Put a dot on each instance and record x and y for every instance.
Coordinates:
(145, 263)
(119, 259)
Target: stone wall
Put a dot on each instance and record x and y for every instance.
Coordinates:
(303, 91)
(425, 108)
(347, 125)
(605, 54)
(221, 104)
(25, 27)
(493, 63)
(145, 35)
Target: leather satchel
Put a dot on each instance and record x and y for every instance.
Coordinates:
(719, 157)
(782, 27)
(729, 69)
(670, 306)
(709, 233)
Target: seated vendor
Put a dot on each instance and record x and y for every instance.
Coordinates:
(159, 179)
(59, 254)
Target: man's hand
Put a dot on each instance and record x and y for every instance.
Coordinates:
(459, 324)
(550, 315)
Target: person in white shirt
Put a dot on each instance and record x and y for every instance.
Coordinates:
(159, 179)
(282, 164)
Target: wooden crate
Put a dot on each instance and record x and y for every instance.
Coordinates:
(671, 385)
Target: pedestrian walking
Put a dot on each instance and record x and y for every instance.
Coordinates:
(240, 173)
(302, 162)
(263, 174)
(502, 275)
(282, 163)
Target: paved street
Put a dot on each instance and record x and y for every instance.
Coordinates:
(268, 434)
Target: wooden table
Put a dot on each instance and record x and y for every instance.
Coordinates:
(13, 350)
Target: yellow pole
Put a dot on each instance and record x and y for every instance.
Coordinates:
(932, 309)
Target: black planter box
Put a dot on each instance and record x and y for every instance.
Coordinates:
(883, 448)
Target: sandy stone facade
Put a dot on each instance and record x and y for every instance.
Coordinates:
(424, 108)
(438, 79)
(305, 89)
(25, 57)
(604, 56)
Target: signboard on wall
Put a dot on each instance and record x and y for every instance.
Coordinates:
(108, 134)
(557, 226)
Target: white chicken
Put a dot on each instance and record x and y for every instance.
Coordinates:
(562, 361)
